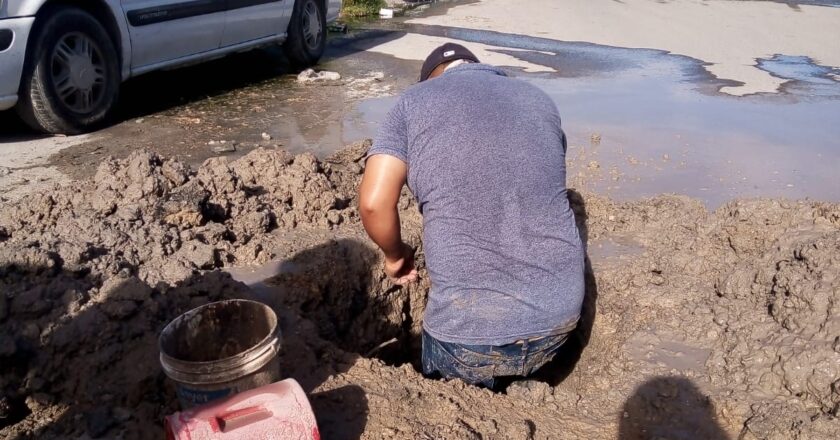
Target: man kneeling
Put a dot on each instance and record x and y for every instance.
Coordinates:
(484, 155)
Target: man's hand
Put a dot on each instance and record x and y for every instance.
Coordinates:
(402, 270)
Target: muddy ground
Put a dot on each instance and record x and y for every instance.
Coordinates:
(231, 106)
(697, 324)
(224, 107)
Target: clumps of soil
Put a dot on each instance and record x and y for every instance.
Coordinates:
(91, 272)
(750, 291)
(157, 218)
(722, 323)
(781, 320)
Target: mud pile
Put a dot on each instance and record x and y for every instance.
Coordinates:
(697, 323)
(90, 272)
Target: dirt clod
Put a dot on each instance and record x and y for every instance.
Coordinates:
(311, 76)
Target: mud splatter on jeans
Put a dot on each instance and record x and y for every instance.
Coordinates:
(483, 364)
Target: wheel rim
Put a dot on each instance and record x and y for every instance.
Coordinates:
(78, 72)
(311, 25)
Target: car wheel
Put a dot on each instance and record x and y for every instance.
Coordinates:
(307, 35)
(71, 77)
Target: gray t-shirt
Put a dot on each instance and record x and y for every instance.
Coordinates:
(486, 162)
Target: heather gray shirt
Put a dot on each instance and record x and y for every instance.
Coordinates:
(486, 162)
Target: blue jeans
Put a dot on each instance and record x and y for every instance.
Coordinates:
(483, 364)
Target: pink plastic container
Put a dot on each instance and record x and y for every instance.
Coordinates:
(276, 411)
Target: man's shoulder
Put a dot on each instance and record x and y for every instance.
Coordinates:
(415, 95)
(418, 89)
(458, 84)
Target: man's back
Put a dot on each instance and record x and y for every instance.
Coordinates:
(486, 161)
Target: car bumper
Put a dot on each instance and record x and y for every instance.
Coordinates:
(14, 32)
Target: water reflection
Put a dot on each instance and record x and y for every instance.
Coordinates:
(661, 131)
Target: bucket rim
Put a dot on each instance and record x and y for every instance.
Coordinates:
(225, 373)
(226, 362)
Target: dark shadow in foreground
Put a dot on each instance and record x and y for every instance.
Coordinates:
(342, 413)
(669, 407)
(338, 286)
(74, 340)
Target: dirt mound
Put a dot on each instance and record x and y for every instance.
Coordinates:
(719, 323)
(90, 273)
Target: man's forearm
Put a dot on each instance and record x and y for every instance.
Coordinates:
(383, 226)
(379, 194)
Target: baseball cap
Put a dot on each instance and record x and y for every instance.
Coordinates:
(444, 54)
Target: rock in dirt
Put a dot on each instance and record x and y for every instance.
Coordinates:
(224, 147)
(533, 390)
(312, 76)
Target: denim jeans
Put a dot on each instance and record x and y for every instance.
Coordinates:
(483, 364)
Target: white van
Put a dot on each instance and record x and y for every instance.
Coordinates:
(62, 61)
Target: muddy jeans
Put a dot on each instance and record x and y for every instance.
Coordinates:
(482, 364)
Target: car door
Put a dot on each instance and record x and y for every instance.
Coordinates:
(249, 20)
(166, 30)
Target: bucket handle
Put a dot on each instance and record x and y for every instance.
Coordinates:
(242, 417)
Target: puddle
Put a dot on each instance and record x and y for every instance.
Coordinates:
(821, 80)
(666, 353)
(610, 250)
(658, 134)
(640, 121)
(363, 120)
(661, 126)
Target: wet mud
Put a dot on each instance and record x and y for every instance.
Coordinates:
(718, 324)
(232, 106)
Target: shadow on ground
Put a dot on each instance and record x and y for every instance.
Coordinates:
(339, 287)
(80, 353)
(669, 407)
(341, 412)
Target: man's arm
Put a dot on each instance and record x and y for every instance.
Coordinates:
(379, 194)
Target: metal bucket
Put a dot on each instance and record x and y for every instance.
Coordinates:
(220, 349)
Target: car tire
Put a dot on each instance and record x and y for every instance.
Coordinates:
(307, 34)
(71, 76)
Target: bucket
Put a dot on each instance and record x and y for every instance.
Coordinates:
(220, 349)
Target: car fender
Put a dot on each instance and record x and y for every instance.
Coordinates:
(28, 8)
(22, 8)
(125, 39)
